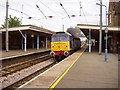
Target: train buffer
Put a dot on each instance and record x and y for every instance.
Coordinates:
(80, 70)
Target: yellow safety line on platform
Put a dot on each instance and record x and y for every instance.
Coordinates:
(65, 72)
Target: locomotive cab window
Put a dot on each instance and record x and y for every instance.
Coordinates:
(60, 38)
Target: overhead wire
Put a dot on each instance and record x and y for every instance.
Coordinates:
(84, 16)
(34, 19)
(38, 20)
(66, 13)
(44, 5)
(16, 10)
(80, 7)
(20, 12)
(25, 14)
(60, 4)
(62, 18)
(46, 16)
(29, 10)
(48, 7)
(64, 9)
(41, 11)
(53, 11)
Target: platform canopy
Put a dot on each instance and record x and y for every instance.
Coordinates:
(29, 27)
(93, 32)
(27, 36)
(95, 29)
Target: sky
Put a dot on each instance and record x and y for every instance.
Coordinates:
(89, 12)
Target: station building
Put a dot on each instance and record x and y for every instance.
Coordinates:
(27, 37)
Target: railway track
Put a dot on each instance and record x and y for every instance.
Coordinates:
(12, 61)
(15, 75)
(16, 72)
(19, 66)
(16, 85)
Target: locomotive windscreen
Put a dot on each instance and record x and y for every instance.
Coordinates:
(60, 38)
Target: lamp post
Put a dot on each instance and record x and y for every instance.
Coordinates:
(7, 33)
(106, 31)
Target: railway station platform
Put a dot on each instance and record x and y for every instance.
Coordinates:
(18, 53)
(80, 70)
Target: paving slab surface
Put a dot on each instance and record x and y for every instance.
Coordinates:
(91, 71)
(17, 53)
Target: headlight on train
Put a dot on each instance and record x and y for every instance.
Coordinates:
(66, 53)
(52, 53)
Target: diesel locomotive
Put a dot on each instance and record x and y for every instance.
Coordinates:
(62, 44)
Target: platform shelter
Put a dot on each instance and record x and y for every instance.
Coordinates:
(27, 37)
(92, 33)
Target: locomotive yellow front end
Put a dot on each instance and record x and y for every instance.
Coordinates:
(60, 45)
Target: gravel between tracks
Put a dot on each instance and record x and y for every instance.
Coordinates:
(15, 77)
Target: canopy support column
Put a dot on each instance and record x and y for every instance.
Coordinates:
(89, 40)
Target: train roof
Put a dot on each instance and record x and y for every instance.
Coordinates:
(62, 34)
(75, 32)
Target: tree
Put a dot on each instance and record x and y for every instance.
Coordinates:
(13, 21)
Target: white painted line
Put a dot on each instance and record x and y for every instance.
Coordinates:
(40, 74)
